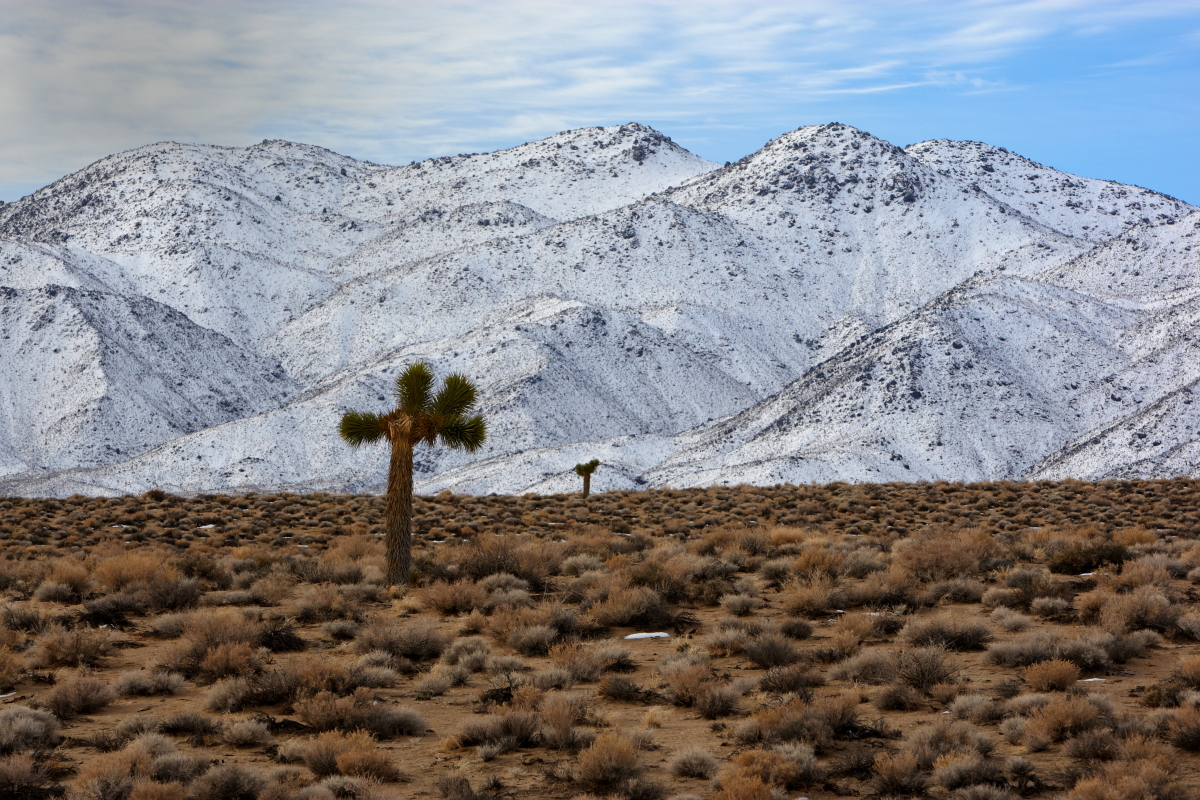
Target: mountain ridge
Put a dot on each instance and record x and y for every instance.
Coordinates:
(612, 292)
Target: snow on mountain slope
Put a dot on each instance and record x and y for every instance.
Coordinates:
(1147, 264)
(1083, 207)
(1000, 378)
(790, 262)
(1067, 374)
(612, 294)
(867, 229)
(92, 377)
(569, 175)
(242, 239)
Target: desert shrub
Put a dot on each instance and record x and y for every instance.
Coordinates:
(1052, 676)
(946, 737)
(735, 785)
(112, 609)
(278, 635)
(58, 647)
(950, 631)
(795, 628)
(616, 687)
(1184, 728)
(956, 771)
(189, 723)
(812, 597)
(586, 664)
(609, 764)
(369, 763)
(741, 605)
(889, 589)
(897, 773)
(871, 666)
(77, 694)
(898, 698)
(685, 680)
(1144, 607)
(1050, 607)
(727, 642)
(246, 733)
(322, 753)
(325, 602)
(532, 640)
(228, 782)
(1038, 646)
(152, 790)
(639, 606)
(560, 713)
(1011, 621)
(1143, 779)
(849, 631)
(70, 574)
(23, 778)
(23, 618)
(533, 562)
(11, 667)
(503, 582)
(772, 768)
(168, 626)
(814, 723)
(937, 554)
(977, 708)
(1079, 557)
(454, 598)
(715, 700)
(998, 596)
(583, 562)
(956, 591)
(510, 731)
(206, 630)
(23, 728)
(230, 658)
(416, 641)
(694, 762)
(144, 684)
(325, 712)
(1028, 584)
(1091, 746)
(771, 650)
(1062, 717)
(776, 571)
(794, 679)
(343, 630)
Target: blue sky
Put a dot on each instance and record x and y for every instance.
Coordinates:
(1102, 89)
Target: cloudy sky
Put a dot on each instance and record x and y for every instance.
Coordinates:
(1103, 89)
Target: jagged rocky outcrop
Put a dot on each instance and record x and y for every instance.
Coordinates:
(830, 307)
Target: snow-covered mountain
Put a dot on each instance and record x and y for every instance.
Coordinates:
(830, 307)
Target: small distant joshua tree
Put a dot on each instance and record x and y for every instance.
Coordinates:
(419, 416)
(585, 471)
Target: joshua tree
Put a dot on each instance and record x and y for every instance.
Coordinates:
(418, 417)
(585, 471)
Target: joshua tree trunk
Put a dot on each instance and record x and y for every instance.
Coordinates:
(398, 513)
(587, 484)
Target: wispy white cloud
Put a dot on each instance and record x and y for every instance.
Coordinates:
(394, 81)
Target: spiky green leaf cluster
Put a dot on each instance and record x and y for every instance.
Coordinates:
(420, 416)
(413, 387)
(588, 468)
(359, 428)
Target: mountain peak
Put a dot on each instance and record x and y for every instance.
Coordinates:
(829, 307)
